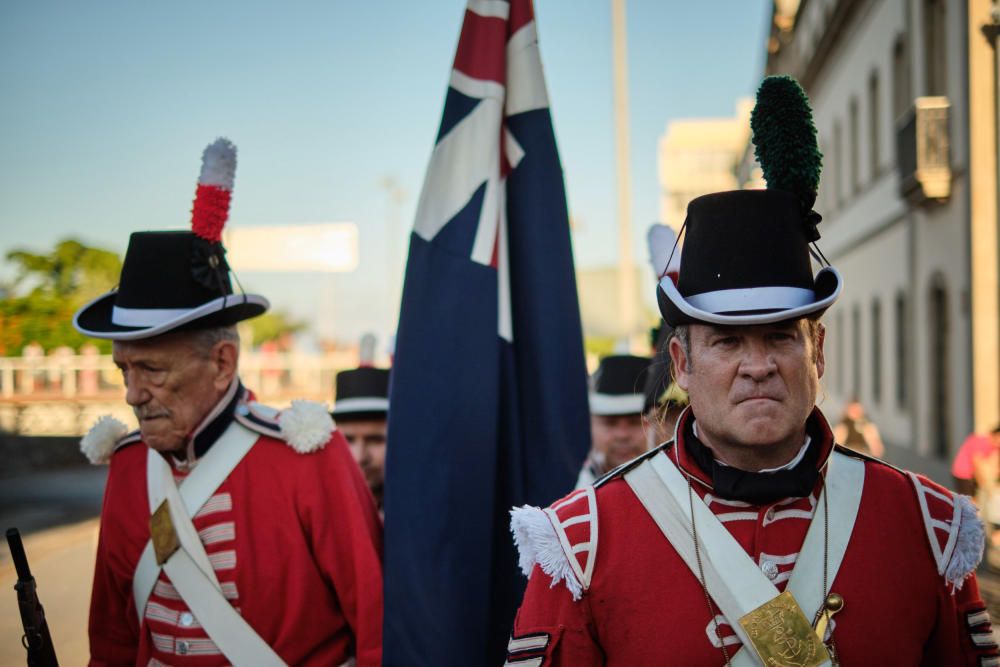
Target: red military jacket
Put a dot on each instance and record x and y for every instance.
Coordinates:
(630, 600)
(294, 538)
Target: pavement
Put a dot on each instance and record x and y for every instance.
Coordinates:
(56, 513)
(62, 562)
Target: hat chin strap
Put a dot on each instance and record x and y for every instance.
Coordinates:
(145, 317)
(752, 298)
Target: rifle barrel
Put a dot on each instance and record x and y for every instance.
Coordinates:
(17, 554)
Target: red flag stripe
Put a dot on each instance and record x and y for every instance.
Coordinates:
(522, 12)
(481, 50)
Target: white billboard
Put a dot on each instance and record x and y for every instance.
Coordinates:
(326, 247)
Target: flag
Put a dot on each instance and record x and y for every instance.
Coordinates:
(488, 403)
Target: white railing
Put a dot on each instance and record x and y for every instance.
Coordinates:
(64, 393)
(73, 376)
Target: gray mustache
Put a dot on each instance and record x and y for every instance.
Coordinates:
(143, 413)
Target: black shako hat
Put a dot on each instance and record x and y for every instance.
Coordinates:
(362, 393)
(618, 385)
(746, 261)
(177, 280)
(746, 253)
(158, 292)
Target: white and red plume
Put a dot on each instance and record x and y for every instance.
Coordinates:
(215, 190)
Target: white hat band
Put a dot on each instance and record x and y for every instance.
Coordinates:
(752, 298)
(145, 317)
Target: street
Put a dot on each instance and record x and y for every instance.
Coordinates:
(62, 561)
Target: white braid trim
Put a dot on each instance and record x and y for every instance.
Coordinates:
(101, 439)
(968, 547)
(306, 426)
(537, 542)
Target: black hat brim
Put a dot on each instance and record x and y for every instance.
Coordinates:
(677, 310)
(95, 318)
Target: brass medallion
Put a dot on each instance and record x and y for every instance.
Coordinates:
(782, 636)
(161, 531)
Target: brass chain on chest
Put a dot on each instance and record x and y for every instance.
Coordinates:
(708, 598)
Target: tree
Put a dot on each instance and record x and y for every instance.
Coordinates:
(38, 305)
(272, 326)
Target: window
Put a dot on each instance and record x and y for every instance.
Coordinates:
(901, 94)
(856, 352)
(934, 46)
(902, 376)
(873, 124)
(939, 367)
(852, 129)
(877, 351)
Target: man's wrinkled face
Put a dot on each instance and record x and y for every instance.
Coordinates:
(366, 438)
(619, 438)
(751, 386)
(171, 386)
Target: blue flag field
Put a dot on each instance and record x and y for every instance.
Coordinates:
(488, 404)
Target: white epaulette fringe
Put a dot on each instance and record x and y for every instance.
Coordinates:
(969, 544)
(306, 426)
(954, 530)
(100, 441)
(537, 542)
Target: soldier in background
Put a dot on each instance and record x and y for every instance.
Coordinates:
(617, 400)
(360, 410)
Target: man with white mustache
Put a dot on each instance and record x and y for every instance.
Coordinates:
(231, 533)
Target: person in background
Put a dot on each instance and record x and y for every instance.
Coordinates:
(617, 399)
(855, 431)
(360, 410)
(973, 462)
(664, 399)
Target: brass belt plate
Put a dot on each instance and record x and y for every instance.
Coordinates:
(161, 530)
(782, 636)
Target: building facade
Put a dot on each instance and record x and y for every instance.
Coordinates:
(908, 198)
(697, 156)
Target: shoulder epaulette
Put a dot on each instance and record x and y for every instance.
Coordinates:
(866, 457)
(129, 439)
(628, 465)
(954, 530)
(306, 425)
(105, 437)
(561, 539)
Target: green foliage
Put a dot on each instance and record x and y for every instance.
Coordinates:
(272, 326)
(599, 346)
(785, 137)
(39, 304)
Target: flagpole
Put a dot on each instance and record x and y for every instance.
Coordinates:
(626, 265)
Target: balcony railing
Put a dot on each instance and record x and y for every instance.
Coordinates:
(923, 151)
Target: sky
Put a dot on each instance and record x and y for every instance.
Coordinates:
(108, 105)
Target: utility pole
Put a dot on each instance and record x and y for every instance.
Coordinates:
(626, 266)
(396, 261)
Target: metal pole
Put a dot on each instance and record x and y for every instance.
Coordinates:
(626, 266)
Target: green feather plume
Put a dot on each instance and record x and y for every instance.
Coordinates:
(785, 138)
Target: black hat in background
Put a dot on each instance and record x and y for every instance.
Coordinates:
(362, 393)
(618, 385)
(177, 280)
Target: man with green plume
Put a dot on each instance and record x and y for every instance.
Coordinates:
(752, 538)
